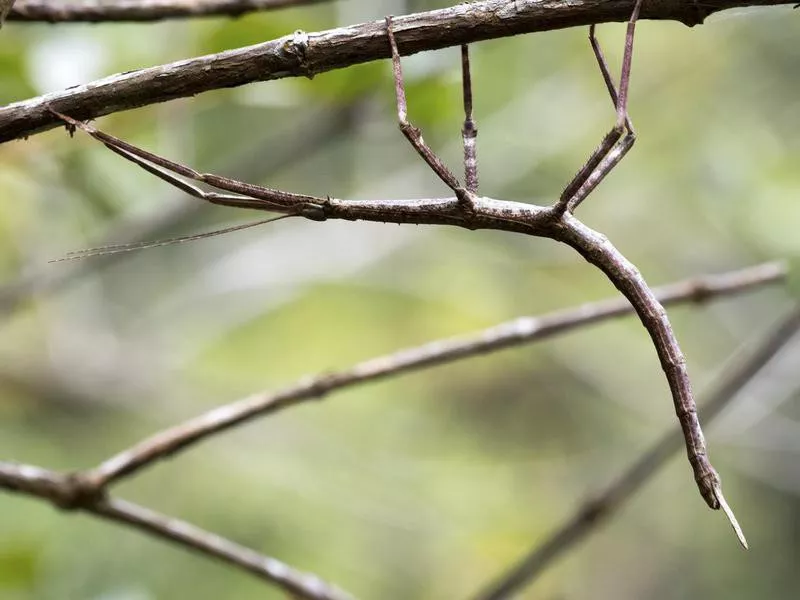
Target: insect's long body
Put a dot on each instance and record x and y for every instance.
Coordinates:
(466, 209)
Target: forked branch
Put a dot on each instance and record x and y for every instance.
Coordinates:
(67, 492)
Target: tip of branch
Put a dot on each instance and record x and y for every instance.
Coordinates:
(731, 518)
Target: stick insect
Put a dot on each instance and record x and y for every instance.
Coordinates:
(469, 210)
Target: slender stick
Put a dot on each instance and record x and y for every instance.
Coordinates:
(509, 334)
(602, 507)
(412, 133)
(611, 149)
(469, 132)
(64, 492)
(306, 55)
(58, 11)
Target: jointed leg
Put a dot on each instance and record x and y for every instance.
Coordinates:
(413, 134)
(252, 196)
(469, 132)
(614, 146)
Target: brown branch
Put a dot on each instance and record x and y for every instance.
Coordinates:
(599, 509)
(66, 492)
(512, 333)
(91, 11)
(303, 54)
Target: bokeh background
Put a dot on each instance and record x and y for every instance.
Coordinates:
(429, 484)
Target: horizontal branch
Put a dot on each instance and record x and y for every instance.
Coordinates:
(512, 333)
(65, 492)
(598, 510)
(91, 11)
(302, 54)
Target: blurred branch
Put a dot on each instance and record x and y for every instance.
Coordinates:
(66, 492)
(87, 491)
(512, 333)
(302, 54)
(5, 8)
(55, 11)
(599, 509)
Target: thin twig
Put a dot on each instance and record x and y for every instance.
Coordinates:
(512, 333)
(91, 11)
(603, 506)
(65, 492)
(305, 55)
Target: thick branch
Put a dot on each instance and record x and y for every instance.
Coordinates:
(66, 492)
(91, 11)
(303, 54)
(512, 333)
(596, 511)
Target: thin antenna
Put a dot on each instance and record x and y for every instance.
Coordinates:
(118, 248)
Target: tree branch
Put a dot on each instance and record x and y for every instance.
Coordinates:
(304, 54)
(91, 11)
(511, 333)
(599, 509)
(66, 492)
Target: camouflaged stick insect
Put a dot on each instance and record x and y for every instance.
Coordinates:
(471, 211)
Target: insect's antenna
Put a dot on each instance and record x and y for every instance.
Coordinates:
(118, 248)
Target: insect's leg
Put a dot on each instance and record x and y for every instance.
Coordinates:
(614, 146)
(469, 132)
(252, 196)
(604, 71)
(413, 134)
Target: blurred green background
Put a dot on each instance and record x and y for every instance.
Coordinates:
(430, 484)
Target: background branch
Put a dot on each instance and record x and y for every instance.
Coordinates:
(303, 54)
(65, 492)
(599, 509)
(140, 10)
(511, 333)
